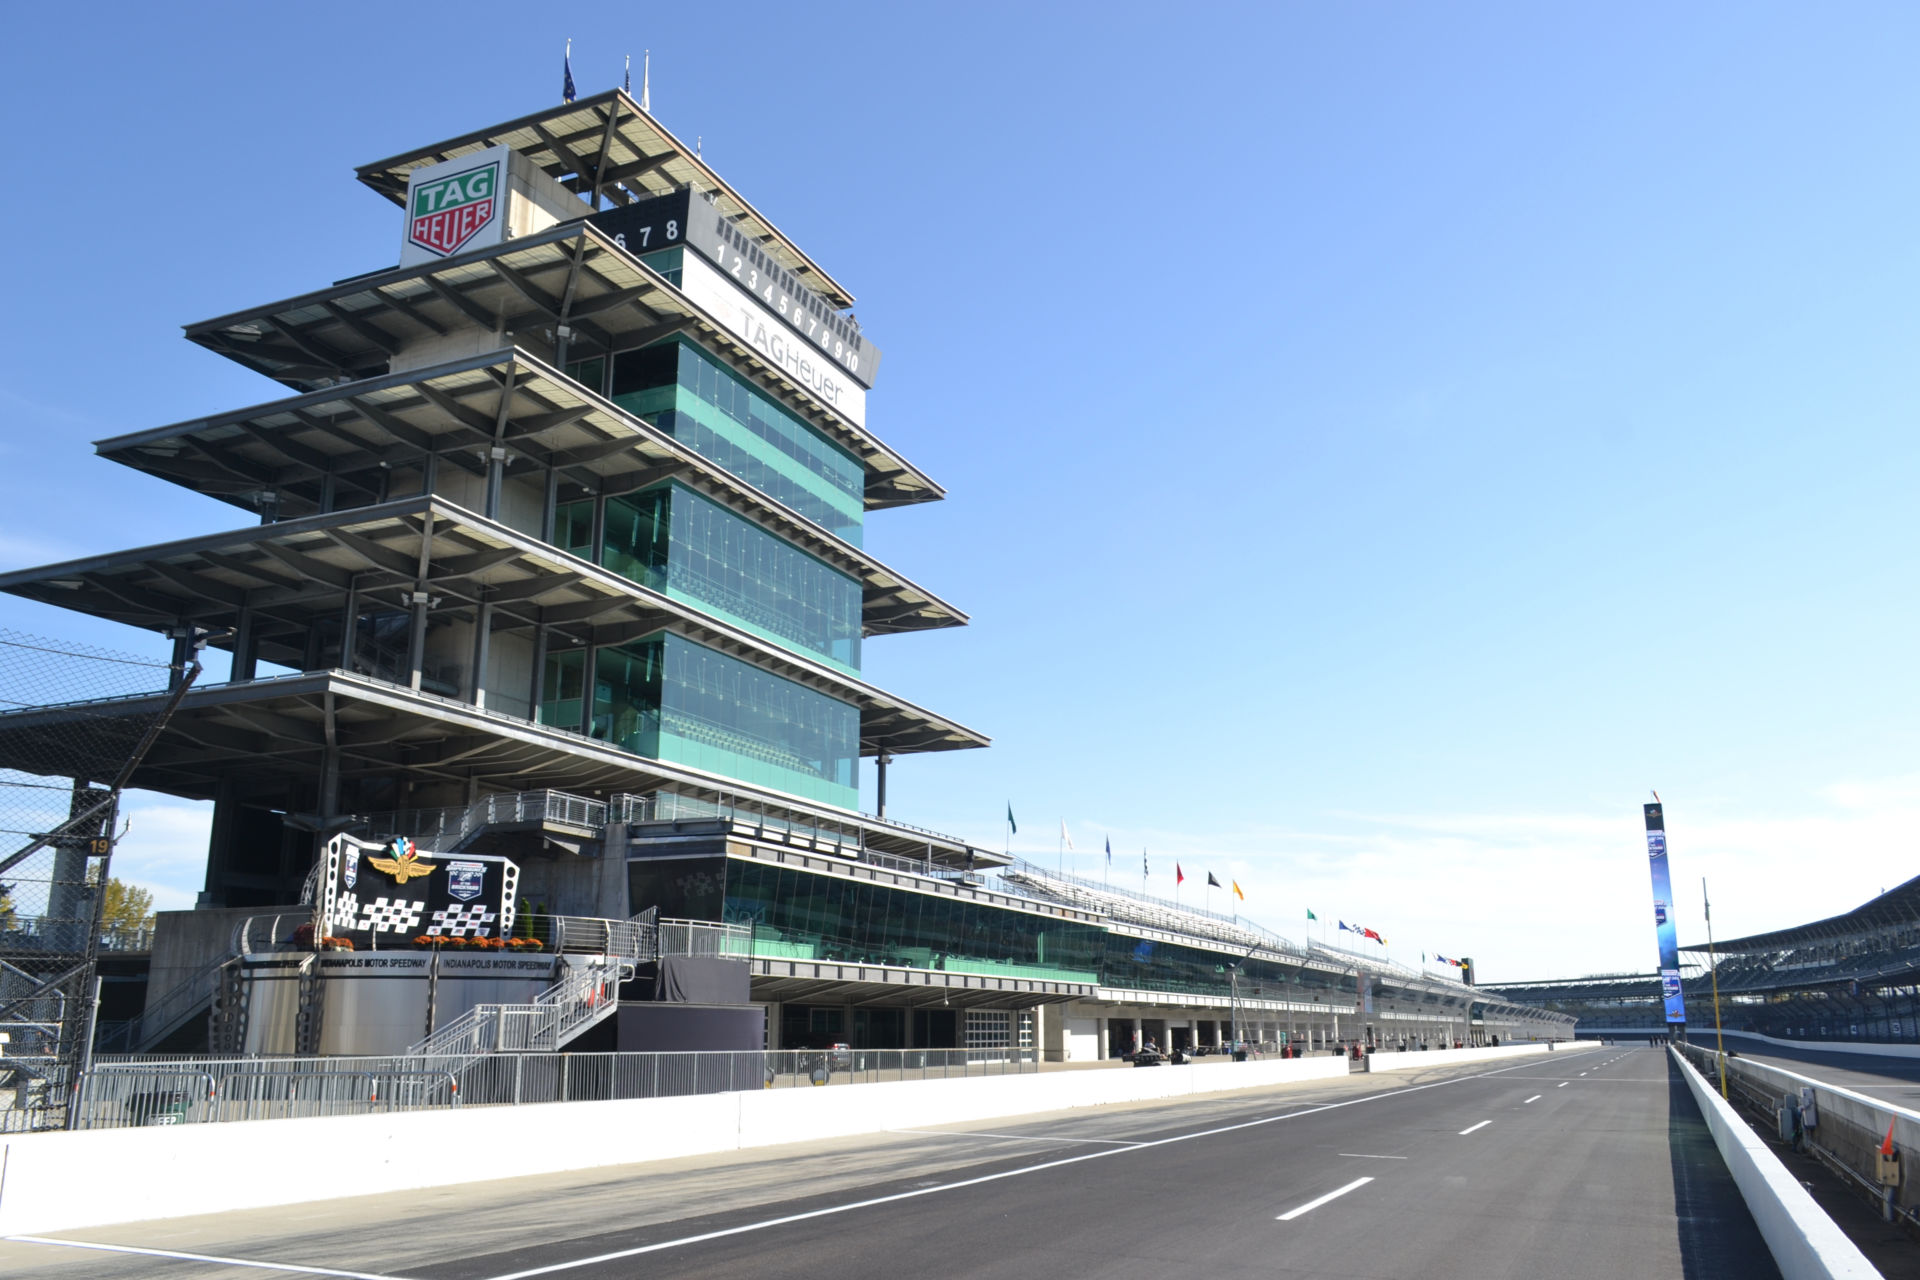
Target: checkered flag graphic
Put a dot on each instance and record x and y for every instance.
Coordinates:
(346, 908)
(462, 922)
(390, 915)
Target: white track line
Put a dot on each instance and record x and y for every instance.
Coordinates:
(1563, 1084)
(1357, 1155)
(830, 1210)
(1535, 1098)
(201, 1257)
(1017, 1137)
(1311, 1205)
(1483, 1124)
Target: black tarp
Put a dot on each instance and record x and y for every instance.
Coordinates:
(701, 980)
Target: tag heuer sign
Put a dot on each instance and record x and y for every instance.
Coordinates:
(446, 211)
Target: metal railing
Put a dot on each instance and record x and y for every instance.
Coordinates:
(1026, 880)
(216, 1090)
(704, 938)
(439, 830)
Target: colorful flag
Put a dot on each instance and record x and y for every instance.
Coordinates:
(1109, 850)
(1237, 893)
(1143, 862)
(1211, 881)
(1349, 928)
(566, 75)
(1179, 876)
(1368, 933)
(1013, 828)
(1310, 914)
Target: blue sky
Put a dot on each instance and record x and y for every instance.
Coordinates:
(1383, 441)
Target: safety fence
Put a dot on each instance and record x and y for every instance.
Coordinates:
(1845, 1130)
(131, 1093)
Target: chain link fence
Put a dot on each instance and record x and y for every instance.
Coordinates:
(74, 722)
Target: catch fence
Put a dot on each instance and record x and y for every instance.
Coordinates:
(133, 1092)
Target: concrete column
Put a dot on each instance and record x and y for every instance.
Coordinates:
(349, 622)
(549, 504)
(610, 894)
(246, 648)
(1100, 1039)
(496, 476)
(482, 642)
(537, 681)
(586, 688)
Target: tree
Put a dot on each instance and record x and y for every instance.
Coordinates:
(8, 919)
(127, 910)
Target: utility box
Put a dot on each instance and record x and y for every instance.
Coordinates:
(1889, 1168)
(1788, 1114)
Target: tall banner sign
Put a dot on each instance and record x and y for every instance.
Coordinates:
(1663, 917)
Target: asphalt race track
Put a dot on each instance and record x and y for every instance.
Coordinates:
(1591, 1164)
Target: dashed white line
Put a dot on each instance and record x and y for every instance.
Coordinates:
(853, 1206)
(1563, 1084)
(1357, 1155)
(1483, 1124)
(1535, 1098)
(1311, 1205)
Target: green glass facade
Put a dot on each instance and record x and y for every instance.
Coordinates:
(679, 543)
(670, 699)
(694, 397)
(802, 915)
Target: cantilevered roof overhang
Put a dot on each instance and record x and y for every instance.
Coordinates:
(524, 290)
(1895, 909)
(292, 575)
(258, 735)
(351, 439)
(606, 148)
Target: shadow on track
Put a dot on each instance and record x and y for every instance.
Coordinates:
(1718, 1238)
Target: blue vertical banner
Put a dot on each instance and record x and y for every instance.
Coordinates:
(1663, 917)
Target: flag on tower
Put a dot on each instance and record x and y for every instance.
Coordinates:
(1211, 882)
(1310, 914)
(1013, 827)
(566, 74)
(1179, 876)
(1237, 893)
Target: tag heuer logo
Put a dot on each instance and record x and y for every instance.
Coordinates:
(447, 212)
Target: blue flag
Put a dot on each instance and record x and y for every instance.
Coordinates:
(1109, 850)
(1012, 826)
(566, 75)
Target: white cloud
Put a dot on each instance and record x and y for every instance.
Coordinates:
(165, 848)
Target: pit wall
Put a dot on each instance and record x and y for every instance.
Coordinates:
(61, 1181)
(1804, 1241)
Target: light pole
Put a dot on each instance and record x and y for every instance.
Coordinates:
(1713, 969)
(1233, 995)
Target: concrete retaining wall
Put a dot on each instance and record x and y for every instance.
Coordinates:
(1703, 1037)
(1805, 1243)
(169, 1171)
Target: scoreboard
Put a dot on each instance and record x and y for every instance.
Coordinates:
(684, 219)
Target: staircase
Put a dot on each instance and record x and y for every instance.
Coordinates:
(586, 994)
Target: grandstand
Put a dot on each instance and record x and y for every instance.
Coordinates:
(1853, 977)
(1602, 1003)
(1850, 978)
